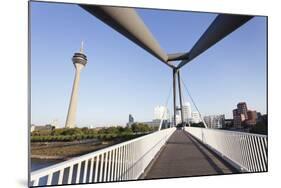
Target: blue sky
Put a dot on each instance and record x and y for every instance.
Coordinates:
(121, 78)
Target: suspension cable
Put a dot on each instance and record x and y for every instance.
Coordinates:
(189, 94)
(166, 104)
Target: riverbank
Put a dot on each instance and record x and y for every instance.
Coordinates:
(67, 150)
(64, 151)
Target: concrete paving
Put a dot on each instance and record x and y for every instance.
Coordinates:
(185, 156)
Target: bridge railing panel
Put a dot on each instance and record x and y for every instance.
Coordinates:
(124, 161)
(246, 151)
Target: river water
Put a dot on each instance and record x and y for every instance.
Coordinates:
(37, 164)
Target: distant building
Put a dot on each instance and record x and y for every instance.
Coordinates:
(41, 127)
(244, 117)
(236, 119)
(131, 120)
(215, 121)
(156, 122)
(195, 117)
(187, 113)
(252, 117)
(228, 123)
(161, 112)
(178, 117)
(242, 109)
(153, 123)
(186, 110)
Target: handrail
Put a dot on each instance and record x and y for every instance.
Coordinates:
(123, 161)
(246, 151)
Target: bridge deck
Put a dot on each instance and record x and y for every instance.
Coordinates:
(184, 156)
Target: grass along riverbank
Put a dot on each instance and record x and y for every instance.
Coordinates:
(65, 150)
(66, 143)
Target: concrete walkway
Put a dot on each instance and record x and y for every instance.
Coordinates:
(184, 156)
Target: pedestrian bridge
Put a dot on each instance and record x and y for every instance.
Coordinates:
(169, 152)
(163, 154)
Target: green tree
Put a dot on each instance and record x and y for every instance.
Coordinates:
(200, 124)
(260, 128)
(140, 128)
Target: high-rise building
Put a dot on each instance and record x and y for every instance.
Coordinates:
(79, 60)
(186, 110)
(195, 117)
(252, 117)
(215, 121)
(242, 109)
(161, 112)
(236, 119)
(242, 115)
(131, 120)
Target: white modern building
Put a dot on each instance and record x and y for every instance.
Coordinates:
(161, 112)
(195, 117)
(215, 121)
(186, 110)
(178, 118)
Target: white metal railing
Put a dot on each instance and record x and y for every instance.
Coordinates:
(124, 161)
(244, 150)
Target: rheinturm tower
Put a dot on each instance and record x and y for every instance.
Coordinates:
(79, 60)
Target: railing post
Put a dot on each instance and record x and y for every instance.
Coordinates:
(91, 171)
(251, 154)
(49, 180)
(85, 171)
(134, 161)
(120, 163)
(109, 166)
(101, 168)
(258, 154)
(105, 166)
(97, 168)
(249, 159)
(242, 148)
(115, 164)
(124, 163)
(130, 162)
(69, 180)
(262, 154)
(255, 154)
(78, 172)
(60, 176)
